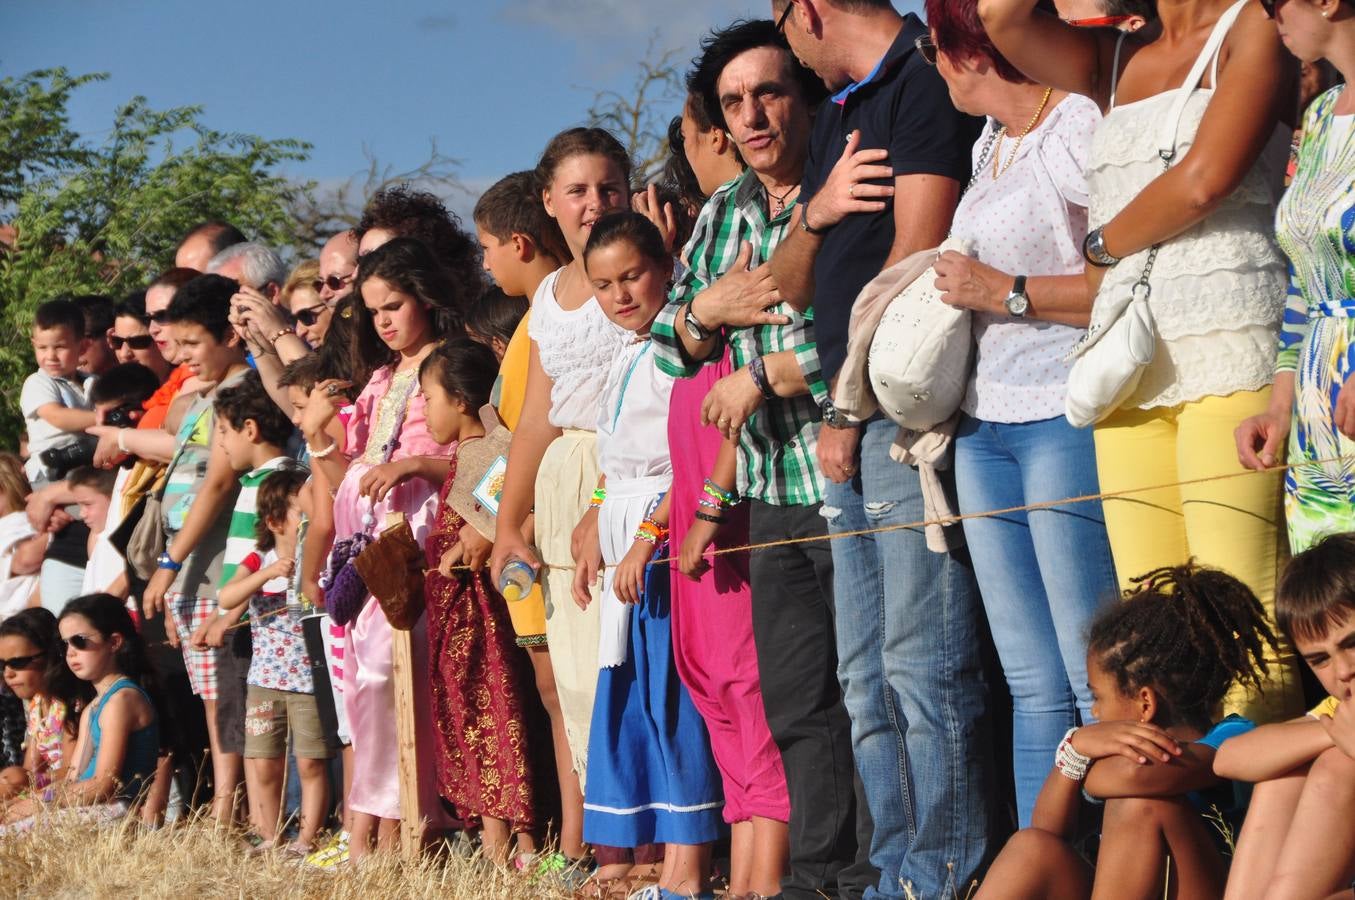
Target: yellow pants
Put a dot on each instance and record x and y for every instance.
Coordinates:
(1236, 524)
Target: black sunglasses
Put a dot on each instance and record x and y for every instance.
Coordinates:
(335, 282)
(162, 316)
(80, 641)
(19, 663)
(309, 316)
(781, 22)
(136, 341)
(1269, 7)
(927, 47)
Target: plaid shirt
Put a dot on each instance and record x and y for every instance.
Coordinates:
(776, 445)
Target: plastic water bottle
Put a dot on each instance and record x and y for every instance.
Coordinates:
(516, 580)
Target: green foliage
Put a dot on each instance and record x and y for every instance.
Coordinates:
(103, 216)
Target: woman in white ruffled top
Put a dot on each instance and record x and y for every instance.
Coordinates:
(1217, 284)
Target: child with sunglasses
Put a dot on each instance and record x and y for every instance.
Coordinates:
(32, 656)
(119, 734)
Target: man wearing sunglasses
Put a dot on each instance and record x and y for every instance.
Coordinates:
(887, 158)
(338, 267)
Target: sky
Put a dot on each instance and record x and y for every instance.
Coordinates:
(490, 82)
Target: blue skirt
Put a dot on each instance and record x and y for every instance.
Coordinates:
(651, 777)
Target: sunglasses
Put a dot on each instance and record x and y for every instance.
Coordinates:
(310, 316)
(162, 316)
(20, 663)
(136, 341)
(81, 641)
(927, 47)
(1269, 7)
(781, 22)
(1106, 21)
(335, 282)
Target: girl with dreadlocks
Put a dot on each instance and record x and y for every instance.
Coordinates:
(1158, 664)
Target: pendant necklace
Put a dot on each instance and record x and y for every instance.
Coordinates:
(778, 204)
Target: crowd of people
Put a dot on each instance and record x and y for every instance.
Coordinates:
(683, 616)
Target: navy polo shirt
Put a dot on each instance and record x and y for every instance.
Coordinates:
(904, 107)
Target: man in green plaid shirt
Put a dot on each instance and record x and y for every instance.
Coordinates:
(753, 88)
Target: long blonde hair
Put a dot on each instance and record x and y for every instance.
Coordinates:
(14, 485)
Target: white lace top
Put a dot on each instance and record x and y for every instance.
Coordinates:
(1029, 221)
(576, 348)
(1218, 290)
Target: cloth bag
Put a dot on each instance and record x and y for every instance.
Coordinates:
(1121, 340)
(392, 568)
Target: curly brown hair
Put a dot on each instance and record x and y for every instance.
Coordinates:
(1188, 632)
(406, 212)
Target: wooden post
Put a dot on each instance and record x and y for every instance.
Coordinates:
(403, 674)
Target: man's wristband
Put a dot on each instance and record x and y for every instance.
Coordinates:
(122, 440)
(165, 561)
(757, 370)
(805, 226)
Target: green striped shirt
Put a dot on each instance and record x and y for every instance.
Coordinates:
(242, 536)
(776, 445)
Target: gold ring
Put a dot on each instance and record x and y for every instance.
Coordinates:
(851, 191)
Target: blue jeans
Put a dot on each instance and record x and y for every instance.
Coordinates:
(1043, 575)
(912, 680)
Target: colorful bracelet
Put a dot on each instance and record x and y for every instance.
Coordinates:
(757, 370)
(599, 496)
(708, 503)
(707, 517)
(651, 532)
(725, 498)
(1068, 762)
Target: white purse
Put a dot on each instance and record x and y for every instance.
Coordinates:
(1122, 337)
(919, 356)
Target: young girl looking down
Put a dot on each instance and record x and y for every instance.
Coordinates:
(652, 778)
(35, 670)
(389, 463)
(114, 758)
(1159, 664)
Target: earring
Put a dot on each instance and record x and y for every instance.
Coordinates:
(1326, 14)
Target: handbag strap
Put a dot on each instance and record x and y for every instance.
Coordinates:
(1171, 125)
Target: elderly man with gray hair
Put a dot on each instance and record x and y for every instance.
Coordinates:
(253, 265)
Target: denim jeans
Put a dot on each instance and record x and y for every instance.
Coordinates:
(1043, 575)
(912, 679)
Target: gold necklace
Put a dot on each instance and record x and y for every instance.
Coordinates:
(1002, 132)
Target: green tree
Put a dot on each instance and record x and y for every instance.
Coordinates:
(103, 215)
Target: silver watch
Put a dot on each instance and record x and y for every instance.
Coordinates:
(695, 329)
(1018, 301)
(1094, 250)
(833, 417)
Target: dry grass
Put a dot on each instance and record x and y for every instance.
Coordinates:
(194, 860)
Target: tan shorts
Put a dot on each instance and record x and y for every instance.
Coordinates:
(268, 716)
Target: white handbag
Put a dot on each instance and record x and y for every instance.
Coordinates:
(1122, 337)
(919, 356)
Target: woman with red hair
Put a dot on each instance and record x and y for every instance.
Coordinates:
(1043, 574)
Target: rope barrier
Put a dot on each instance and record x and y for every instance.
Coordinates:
(945, 522)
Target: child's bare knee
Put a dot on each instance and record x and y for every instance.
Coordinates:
(1333, 766)
(1031, 842)
(310, 768)
(1141, 811)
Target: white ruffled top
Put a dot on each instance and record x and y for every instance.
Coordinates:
(1218, 290)
(576, 347)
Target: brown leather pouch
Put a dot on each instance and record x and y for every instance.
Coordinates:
(392, 567)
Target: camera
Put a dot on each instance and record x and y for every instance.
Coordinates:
(60, 460)
(122, 416)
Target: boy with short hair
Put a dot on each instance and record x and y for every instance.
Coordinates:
(199, 495)
(522, 245)
(1299, 835)
(252, 432)
(53, 400)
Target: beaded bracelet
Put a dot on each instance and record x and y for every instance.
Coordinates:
(321, 454)
(715, 492)
(1070, 763)
(707, 517)
(708, 503)
(597, 499)
(651, 532)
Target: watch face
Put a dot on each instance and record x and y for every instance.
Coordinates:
(694, 329)
(1017, 304)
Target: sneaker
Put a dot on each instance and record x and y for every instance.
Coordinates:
(332, 854)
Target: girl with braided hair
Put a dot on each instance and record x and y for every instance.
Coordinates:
(1159, 664)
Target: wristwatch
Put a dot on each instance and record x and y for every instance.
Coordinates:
(695, 329)
(810, 229)
(1094, 250)
(833, 417)
(164, 561)
(1018, 301)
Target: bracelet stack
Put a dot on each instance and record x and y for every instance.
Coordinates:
(1069, 763)
(597, 499)
(712, 503)
(757, 370)
(651, 532)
